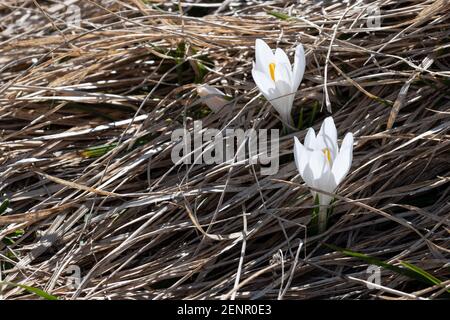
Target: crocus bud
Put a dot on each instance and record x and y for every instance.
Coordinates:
(212, 97)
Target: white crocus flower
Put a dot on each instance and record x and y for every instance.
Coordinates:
(276, 78)
(212, 97)
(323, 165)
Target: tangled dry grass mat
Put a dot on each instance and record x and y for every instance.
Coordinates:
(86, 113)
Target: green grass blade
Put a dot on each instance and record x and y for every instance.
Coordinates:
(279, 15)
(33, 290)
(300, 120)
(410, 271)
(98, 151)
(4, 206)
(313, 113)
(422, 272)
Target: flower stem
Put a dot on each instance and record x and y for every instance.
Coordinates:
(322, 219)
(288, 126)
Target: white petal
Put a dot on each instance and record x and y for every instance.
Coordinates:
(310, 139)
(283, 71)
(283, 74)
(299, 67)
(283, 81)
(284, 112)
(329, 128)
(264, 56)
(318, 175)
(282, 58)
(343, 161)
(348, 141)
(328, 137)
(281, 101)
(317, 163)
(301, 156)
(264, 83)
(325, 183)
(308, 177)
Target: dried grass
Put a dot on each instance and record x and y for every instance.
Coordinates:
(139, 227)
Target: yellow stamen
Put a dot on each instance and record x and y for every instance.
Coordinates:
(272, 70)
(327, 153)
